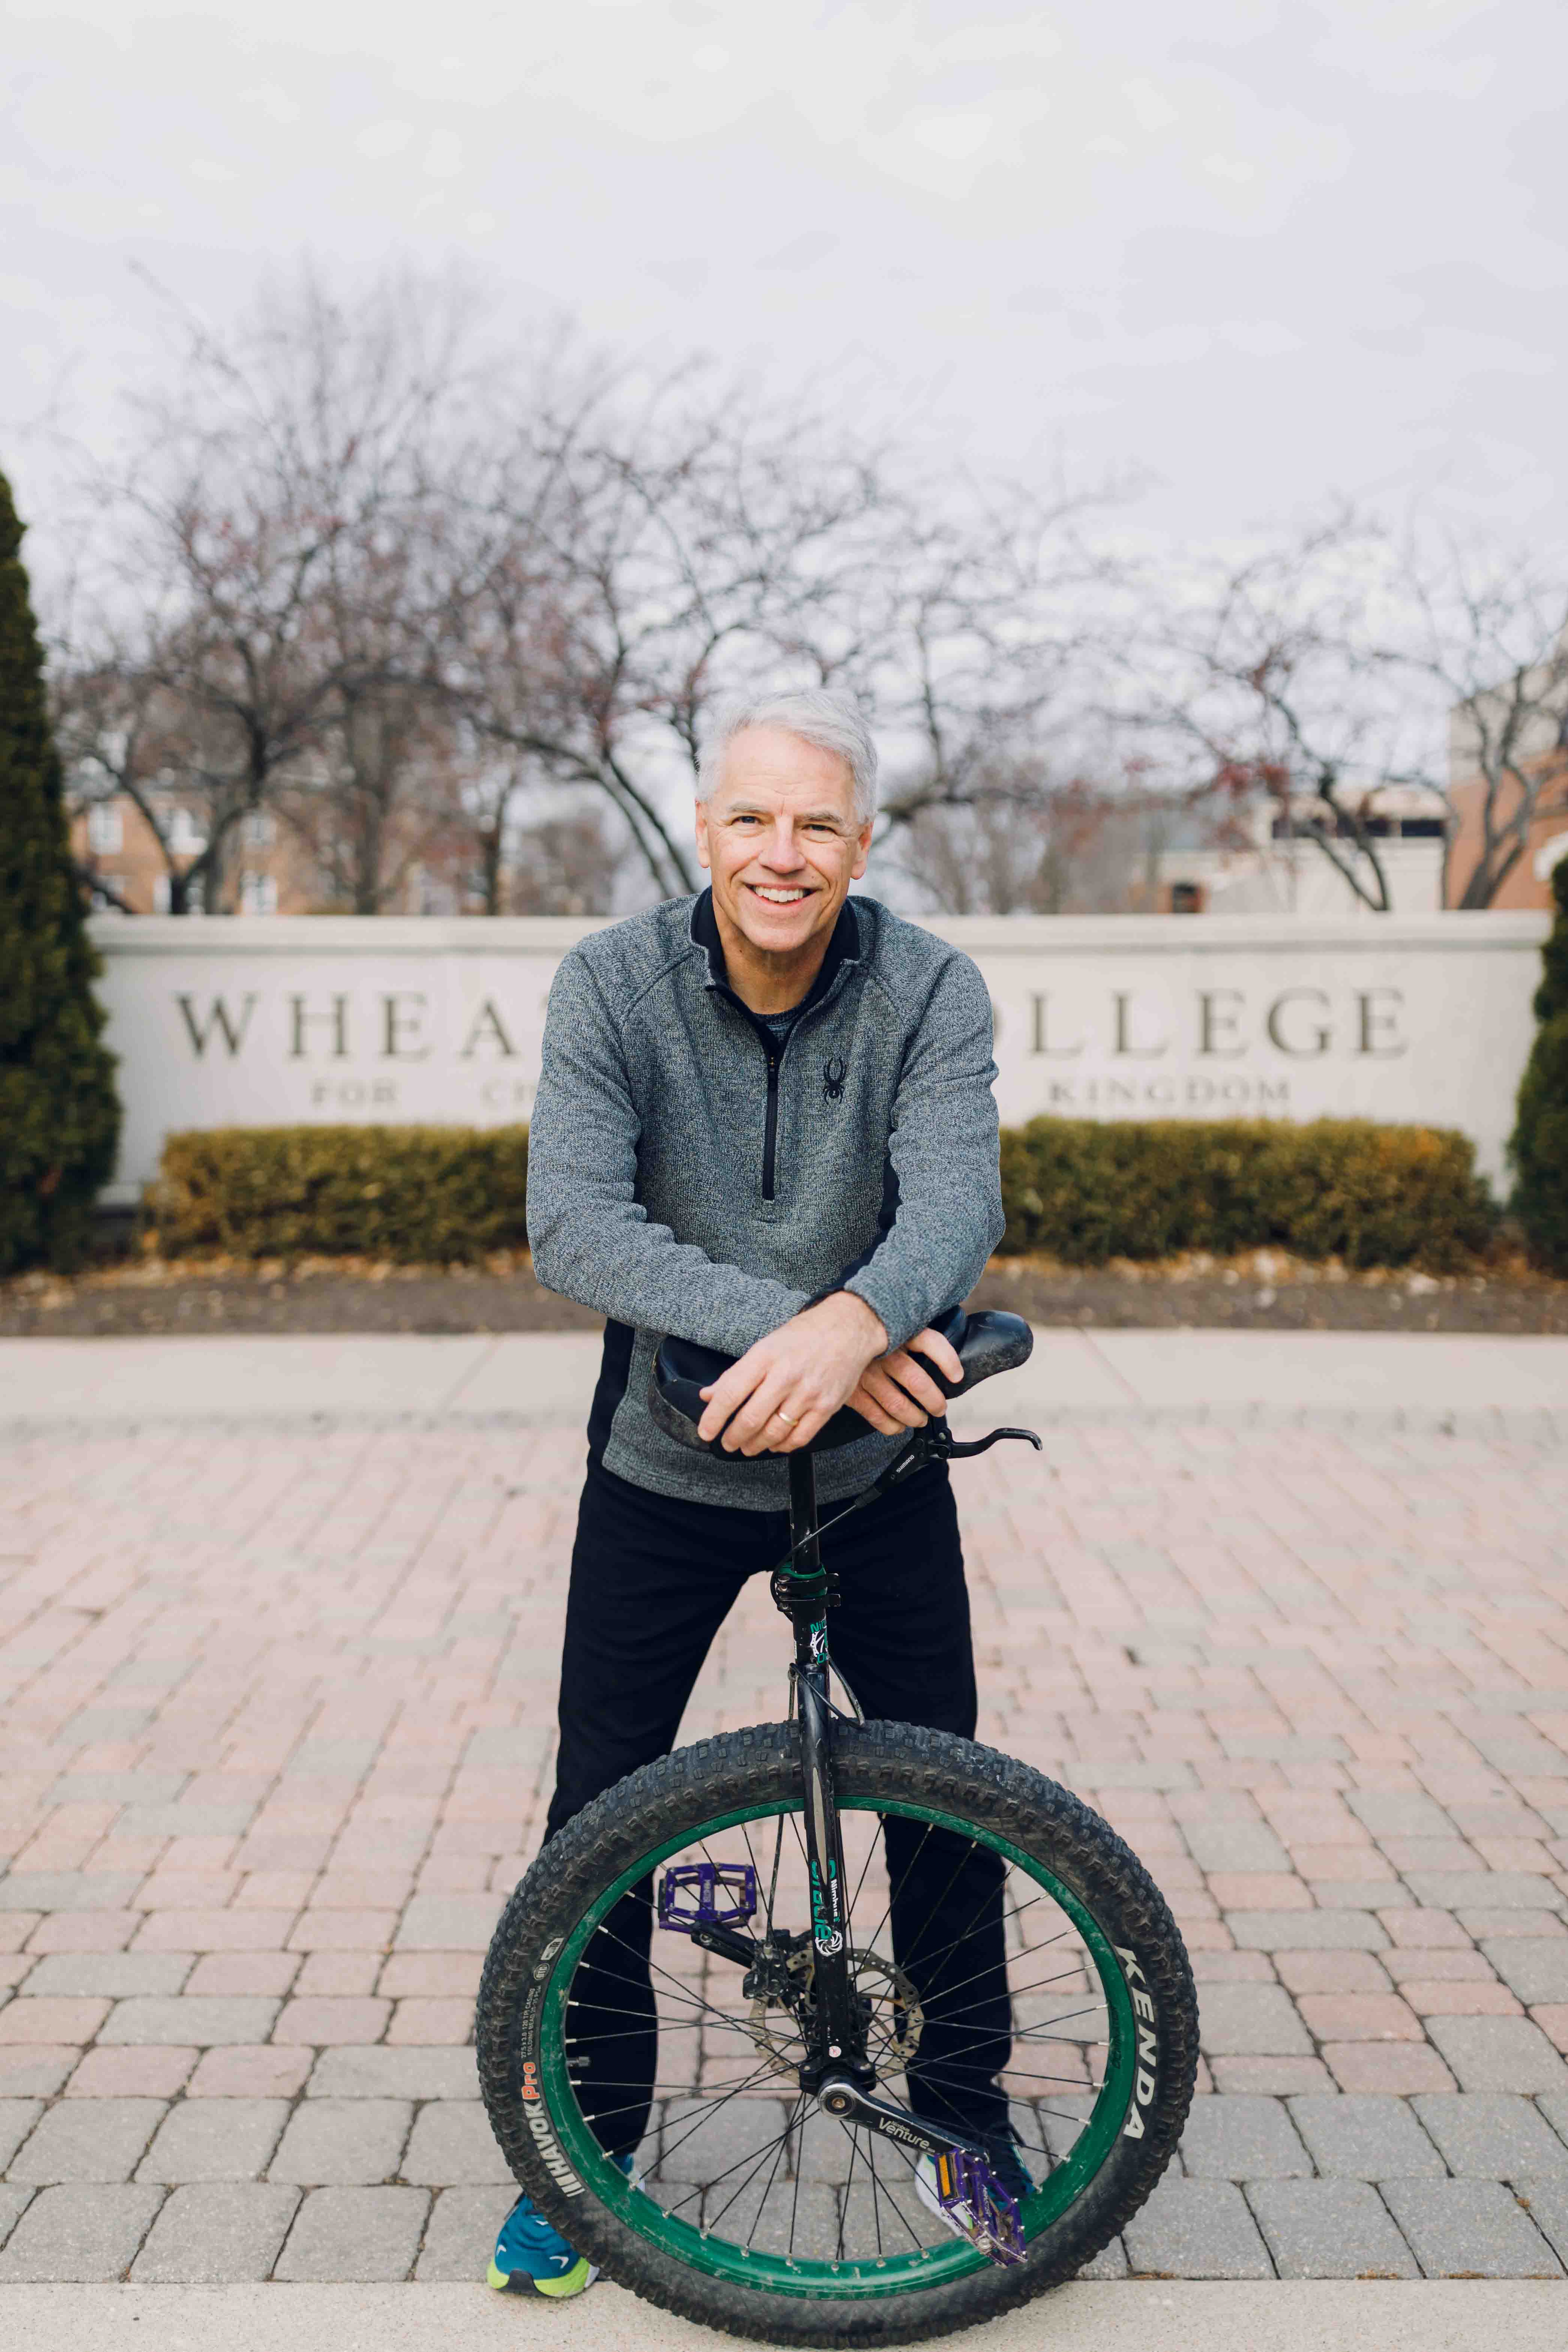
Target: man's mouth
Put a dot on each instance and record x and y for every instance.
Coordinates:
(777, 896)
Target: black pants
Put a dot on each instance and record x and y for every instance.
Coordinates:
(652, 1581)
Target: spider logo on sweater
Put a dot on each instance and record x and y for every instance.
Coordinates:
(835, 1070)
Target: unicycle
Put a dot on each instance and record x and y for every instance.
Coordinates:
(835, 2032)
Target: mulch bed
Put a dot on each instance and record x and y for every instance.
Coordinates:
(1264, 1291)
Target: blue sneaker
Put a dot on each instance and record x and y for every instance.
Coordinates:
(531, 2257)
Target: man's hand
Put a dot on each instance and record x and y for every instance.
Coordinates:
(895, 1388)
(777, 1397)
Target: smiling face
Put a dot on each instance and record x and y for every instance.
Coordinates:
(782, 842)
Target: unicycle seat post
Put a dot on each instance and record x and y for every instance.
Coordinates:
(803, 1528)
(801, 1588)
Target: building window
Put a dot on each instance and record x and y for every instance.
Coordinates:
(1186, 898)
(259, 830)
(105, 828)
(258, 894)
(183, 838)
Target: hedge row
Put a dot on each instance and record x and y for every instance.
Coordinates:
(416, 1195)
(1081, 1190)
(1086, 1190)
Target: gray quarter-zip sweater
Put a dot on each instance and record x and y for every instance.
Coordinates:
(689, 1173)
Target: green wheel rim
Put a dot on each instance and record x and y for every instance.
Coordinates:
(890, 2274)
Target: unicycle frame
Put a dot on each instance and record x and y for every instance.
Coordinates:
(835, 2069)
(804, 1592)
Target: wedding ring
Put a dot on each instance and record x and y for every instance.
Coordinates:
(788, 1419)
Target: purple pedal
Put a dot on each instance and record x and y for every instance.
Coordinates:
(707, 1895)
(968, 2190)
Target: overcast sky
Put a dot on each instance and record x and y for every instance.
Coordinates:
(1265, 251)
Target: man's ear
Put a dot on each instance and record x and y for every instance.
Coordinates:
(862, 851)
(703, 859)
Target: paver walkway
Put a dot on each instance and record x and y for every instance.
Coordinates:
(276, 1734)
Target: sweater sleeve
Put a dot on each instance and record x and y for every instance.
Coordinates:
(592, 1239)
(944, 1150)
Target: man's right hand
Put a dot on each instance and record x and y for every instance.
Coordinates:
(897, 1393)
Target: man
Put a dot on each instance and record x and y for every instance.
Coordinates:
(765, 1124)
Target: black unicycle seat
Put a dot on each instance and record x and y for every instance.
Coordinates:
(987, 1341)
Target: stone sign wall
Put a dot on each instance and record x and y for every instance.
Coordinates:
(257, 1022)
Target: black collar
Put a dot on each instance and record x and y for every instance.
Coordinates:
(843, 947)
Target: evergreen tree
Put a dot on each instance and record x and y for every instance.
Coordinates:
(59, 1117)
(1539, 1148)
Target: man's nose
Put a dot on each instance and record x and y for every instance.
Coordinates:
(784, 851)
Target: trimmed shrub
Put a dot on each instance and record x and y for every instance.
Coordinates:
(1082, 1190)
(1538, 1149)
(416, 1195)
(1086, 1190)
(60, 1120)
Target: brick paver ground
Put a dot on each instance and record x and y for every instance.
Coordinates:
(276, 1735)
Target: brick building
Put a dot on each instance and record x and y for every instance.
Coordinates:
(1530, 713)
(265, 872)
(1530, 883)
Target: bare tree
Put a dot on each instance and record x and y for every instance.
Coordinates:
(661, 552)
(276, 550)
(1486, 642)
(349, 598)
(673, 549)
(1074, 848)
(563, 866)
(1265, 676)
(1349, 665)
(120, 736)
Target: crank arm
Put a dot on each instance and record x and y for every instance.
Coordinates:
(845, 2099)
(962, 2184)
(743, 1950)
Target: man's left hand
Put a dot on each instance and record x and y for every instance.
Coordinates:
(777, 1397)
(774, 1398)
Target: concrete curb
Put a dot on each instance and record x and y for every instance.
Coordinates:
(1482, 1387)
(1309, 2316)
(1528, 1425)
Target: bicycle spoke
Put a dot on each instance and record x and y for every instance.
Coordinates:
(865, 1867)
(926, 1957)
(871, 2168)
(778, 2148)
(908, 1958)
(704, 2186)
(849, 2181)
(871, 2138)
(778, 2159)
(655, 1970)
(894, 1892)
(653, 2025)
(756, 1872)
(713, 2105)
(794, 2201)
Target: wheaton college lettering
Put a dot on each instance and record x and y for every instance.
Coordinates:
(1122, 1055)
(1100, 1052)
(269, 1022)
(379, 1034)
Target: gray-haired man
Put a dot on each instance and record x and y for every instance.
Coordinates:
(765, 1124)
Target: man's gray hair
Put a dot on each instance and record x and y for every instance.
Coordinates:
(831, 721)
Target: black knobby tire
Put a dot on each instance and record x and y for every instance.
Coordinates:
(875, 1761)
